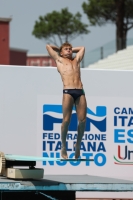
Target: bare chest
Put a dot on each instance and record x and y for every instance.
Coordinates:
(70, 67)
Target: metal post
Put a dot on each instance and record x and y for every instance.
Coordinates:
(83, 62)
(101, 52)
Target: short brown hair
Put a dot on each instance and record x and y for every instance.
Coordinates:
(64, 45)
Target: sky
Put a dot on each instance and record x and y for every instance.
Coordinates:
(24, 13)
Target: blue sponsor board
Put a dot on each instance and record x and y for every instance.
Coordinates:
(92, 145)
(123, 135)
(48, 120)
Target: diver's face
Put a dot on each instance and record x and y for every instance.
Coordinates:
(66, 52)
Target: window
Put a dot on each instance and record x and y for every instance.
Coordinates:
(35, 63)
(46, 63)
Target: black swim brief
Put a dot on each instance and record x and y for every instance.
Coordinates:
(75, 93)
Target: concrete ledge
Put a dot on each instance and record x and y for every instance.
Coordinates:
(68, 183)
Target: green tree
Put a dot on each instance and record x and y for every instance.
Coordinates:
(118, 12)
(62, 25)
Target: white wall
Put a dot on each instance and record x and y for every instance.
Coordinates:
(20, 89)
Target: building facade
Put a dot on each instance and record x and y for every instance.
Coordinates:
(40, 60)
(4, 41)
(15, 56)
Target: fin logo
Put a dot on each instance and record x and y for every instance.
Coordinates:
(53, 114)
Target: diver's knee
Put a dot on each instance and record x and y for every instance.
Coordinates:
(65, 124)
(83, 121)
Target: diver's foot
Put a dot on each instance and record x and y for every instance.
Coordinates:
(77, 151)
(64, 153)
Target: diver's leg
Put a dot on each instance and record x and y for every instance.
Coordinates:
(67, 105)
(81, 109)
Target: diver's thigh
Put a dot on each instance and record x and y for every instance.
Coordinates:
(67, 105)
(81, 107)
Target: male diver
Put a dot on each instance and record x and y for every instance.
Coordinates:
(73, 93)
